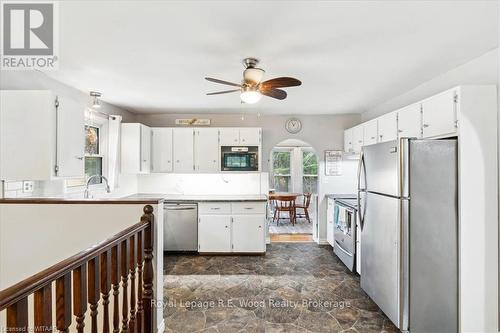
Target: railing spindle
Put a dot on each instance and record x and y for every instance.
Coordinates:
(43, 309)
(140, 258)
(148, 268)
(105, 288)
(115, 280)
(80, 296)
(17, 316)
(63, 303)
(124, 263)
(132, 261)
(93, 291)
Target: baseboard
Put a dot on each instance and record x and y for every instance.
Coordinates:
(323, 242)
(161, 327)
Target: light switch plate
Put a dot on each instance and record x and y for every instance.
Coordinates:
(28, 186)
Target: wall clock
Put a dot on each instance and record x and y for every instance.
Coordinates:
(293, 125)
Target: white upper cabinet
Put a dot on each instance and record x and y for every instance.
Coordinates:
(183, 149)
(70, 138)
(136, 148)
(250, 136)
(145, 149)
(246, 136)
(161, 149)
(357, 138)
(388, 127)
(39, 141)
(229, 136)
(207, 149)
(370, 132)
(410, 122)
(348, 140)
(439, 115)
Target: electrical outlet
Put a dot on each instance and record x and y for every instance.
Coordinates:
(28, 186)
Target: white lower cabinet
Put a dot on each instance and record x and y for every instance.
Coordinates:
(248, 233)
(329, 219)
(214, 233)
(225, 227)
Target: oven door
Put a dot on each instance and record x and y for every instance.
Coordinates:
(345, 235)
(239, 161)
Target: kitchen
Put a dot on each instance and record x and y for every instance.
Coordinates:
(150, 135)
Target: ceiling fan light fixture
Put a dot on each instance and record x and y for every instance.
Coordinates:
(250, 96)
(254, 75)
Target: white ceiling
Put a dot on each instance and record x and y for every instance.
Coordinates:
(152, 56)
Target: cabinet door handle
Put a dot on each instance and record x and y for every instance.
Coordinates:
(215, 208)
(425, 125)
(79, 158)
(248, 208)
(260, 226)
(227, 226)
(400, 131)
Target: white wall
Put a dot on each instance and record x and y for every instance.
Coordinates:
(482, 70)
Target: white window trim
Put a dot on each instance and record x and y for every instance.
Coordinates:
(296, 167)
(102, 123)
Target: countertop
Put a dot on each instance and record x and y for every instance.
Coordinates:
(110, 201)
(341, 196)
(200, 197)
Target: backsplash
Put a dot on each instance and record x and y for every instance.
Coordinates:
(219, 183)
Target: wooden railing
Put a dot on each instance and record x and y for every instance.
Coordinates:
(92, 274)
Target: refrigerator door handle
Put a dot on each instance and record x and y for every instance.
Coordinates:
(361, 208)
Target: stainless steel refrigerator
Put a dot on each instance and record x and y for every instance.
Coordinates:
(407, 192)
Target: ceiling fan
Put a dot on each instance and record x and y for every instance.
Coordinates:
(252, 88)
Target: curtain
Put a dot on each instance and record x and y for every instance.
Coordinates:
(114, 150)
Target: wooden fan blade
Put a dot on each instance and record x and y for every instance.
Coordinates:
(222, 82)
(274, 93)
(223, 92)
(281, 82)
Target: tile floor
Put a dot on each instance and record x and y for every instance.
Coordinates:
(293, 288)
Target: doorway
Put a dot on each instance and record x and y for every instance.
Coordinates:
(293, 171)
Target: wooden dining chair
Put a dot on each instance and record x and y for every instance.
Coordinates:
(304, 206)
(284, 203)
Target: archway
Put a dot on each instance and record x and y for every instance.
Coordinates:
(294, 169)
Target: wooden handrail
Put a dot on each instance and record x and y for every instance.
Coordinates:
(102, 270)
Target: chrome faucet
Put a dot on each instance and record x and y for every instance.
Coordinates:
(86, 194)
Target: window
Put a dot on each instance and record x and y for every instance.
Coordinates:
(281, 170)
(310, 171)
(93, 157)
(294, 169)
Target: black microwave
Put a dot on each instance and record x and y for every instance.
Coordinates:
(239, 158)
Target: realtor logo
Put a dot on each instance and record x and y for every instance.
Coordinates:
(29, 35)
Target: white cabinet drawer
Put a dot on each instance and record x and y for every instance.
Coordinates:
(214, 208)
(249, 207)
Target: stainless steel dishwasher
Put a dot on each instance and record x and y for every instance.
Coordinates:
(180, 227)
